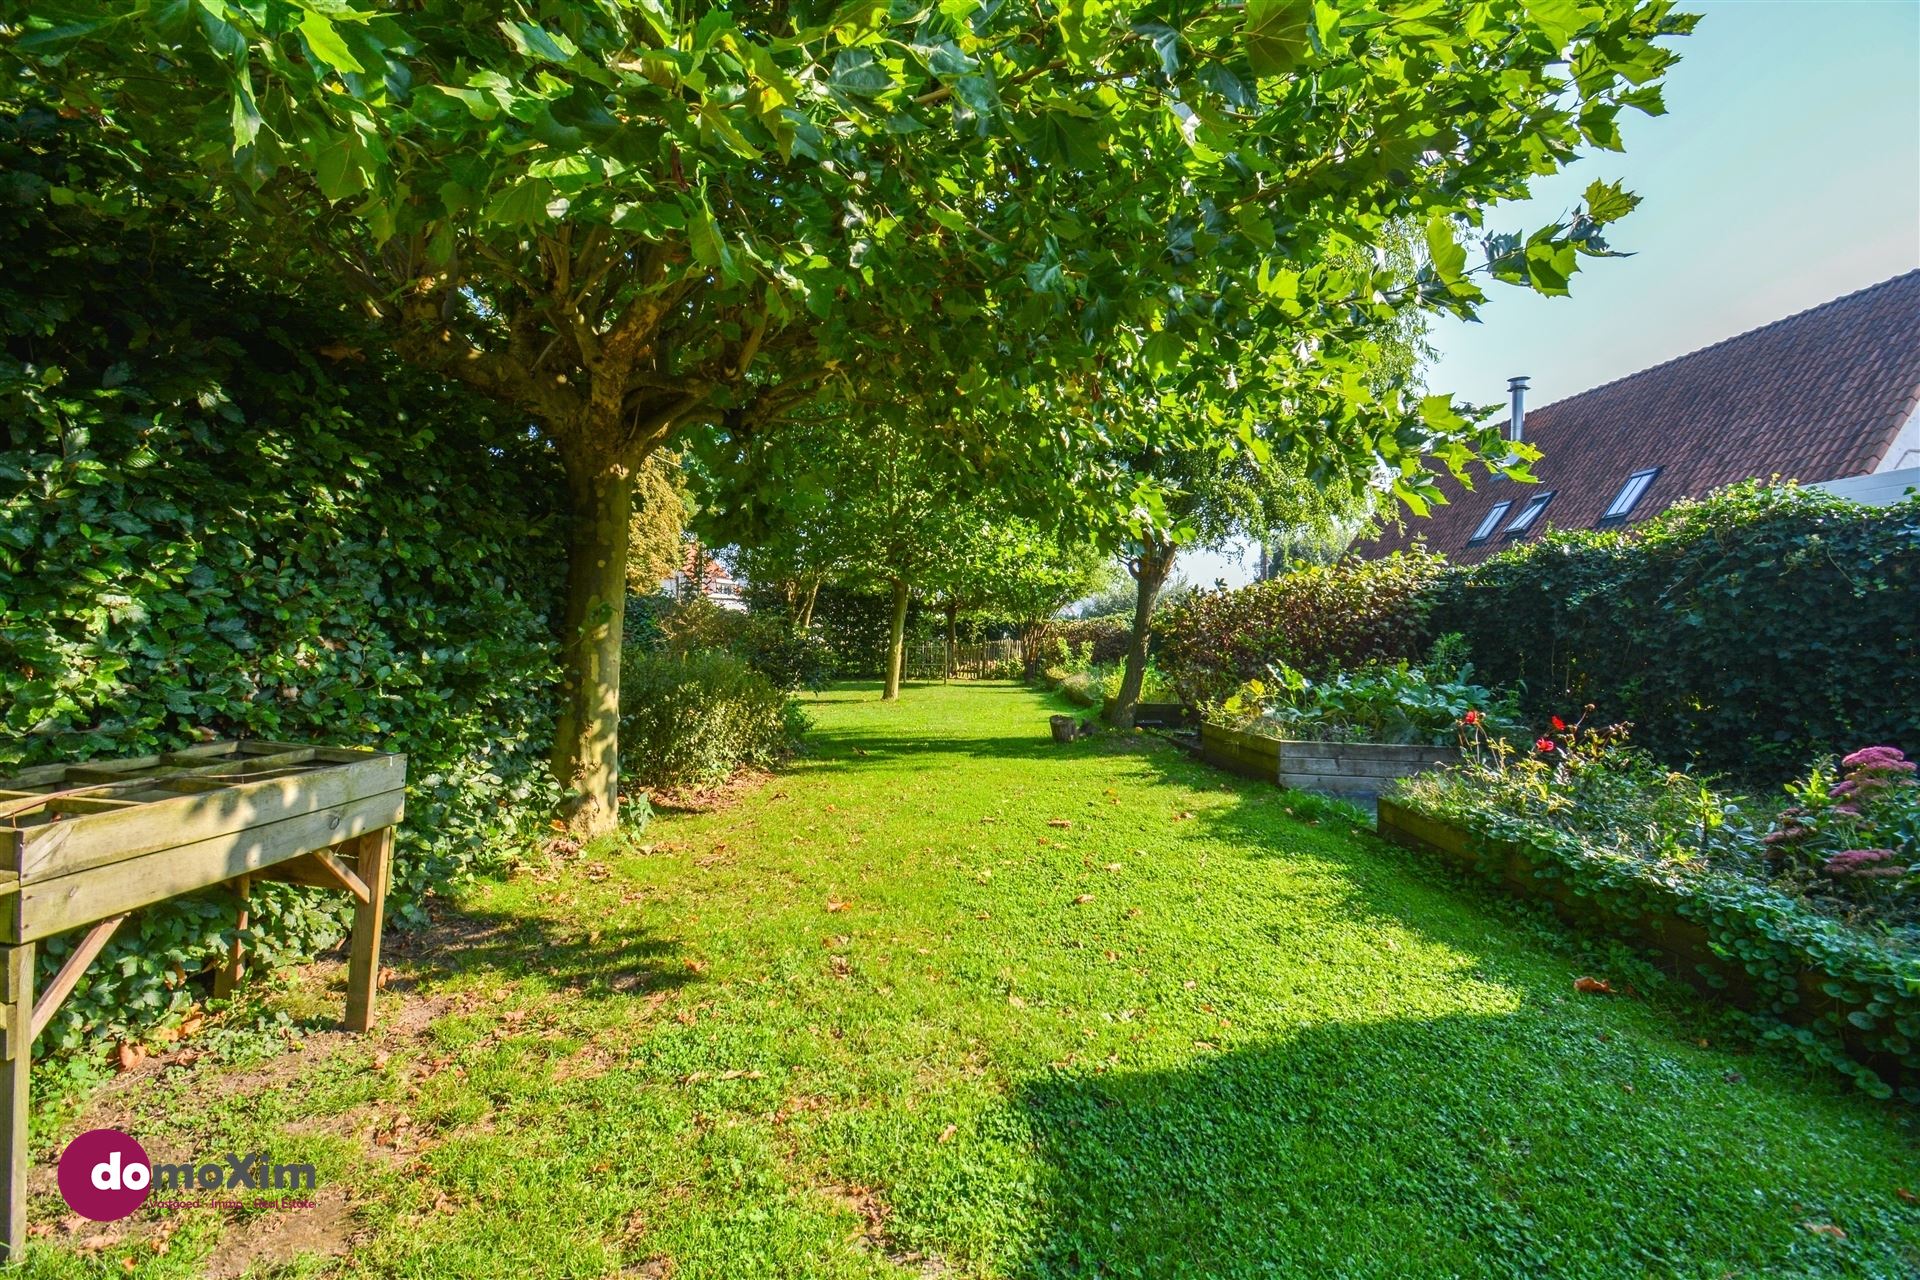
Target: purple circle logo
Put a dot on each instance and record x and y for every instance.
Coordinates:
(105, 1175)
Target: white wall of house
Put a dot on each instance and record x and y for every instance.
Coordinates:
(1904, 452)
(1876, 489)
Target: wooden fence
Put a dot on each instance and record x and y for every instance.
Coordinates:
(988, 659)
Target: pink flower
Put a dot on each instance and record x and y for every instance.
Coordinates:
(1868, 863)
(1876, 758)
(1847, 810)
(1846, 788)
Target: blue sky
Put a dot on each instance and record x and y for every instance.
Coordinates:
(1786, 172)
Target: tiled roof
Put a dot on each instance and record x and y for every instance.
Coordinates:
(1816, 396)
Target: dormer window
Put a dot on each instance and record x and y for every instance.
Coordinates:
(1629, 496)
(1529, 515)
(1488, 525)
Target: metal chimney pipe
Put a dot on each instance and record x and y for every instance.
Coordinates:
(1517, 421)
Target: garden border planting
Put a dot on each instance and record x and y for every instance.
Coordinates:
(1763, 960)
(1342, 767)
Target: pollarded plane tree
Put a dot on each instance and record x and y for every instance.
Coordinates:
(627, 222)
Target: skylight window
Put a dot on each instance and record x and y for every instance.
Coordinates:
(1630, 494)
(1488, 525)
(1529, 515)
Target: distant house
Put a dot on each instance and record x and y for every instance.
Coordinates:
(1829, 397)
(701, 574)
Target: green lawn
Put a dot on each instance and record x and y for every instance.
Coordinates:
(889, 1015)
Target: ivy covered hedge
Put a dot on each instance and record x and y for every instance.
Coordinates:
(1746, 633)
(217, 515)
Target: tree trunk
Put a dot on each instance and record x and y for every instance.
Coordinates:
(586, 744)
(953, 638)
(896, 641)
(805, 619)
(1149, 574)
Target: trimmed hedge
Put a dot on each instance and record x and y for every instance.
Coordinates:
(1317, 620)
(206, 524)
(1746, 633)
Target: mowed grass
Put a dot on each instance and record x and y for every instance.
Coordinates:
(945, 998)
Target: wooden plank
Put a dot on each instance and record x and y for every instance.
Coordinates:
(333, 755)
(375, 858)
(234, 967)
(16, 1060)
(304, 870)
(70, 973)
(89, 804)
(1376, 770)
(50, 906)
(342, 874)
(103, 838)
(37, 776)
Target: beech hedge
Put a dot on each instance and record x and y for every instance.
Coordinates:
(1316, 620)
(217, 514)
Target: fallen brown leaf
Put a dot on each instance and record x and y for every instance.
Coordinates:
(1592, 986)
(1825, 1229)
(1062, 823)
(946, 1134)
(1083, 900)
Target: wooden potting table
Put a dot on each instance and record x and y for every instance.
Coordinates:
(85, 844)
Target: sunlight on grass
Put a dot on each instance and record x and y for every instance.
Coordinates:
(946, 998)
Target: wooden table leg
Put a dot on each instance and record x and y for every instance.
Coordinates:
(228, 976)
(375, 856)
(16, 1057)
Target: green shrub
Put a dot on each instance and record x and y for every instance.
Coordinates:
(1316, 620)
(1154, 685)
(1745, 633)
(1436, 704)
(205, 524)
(789, 658)
(686, 720)
(1095, 641)
(1851, 839)
(1082, 688)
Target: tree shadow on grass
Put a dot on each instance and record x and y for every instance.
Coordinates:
(1461, 1145)
(599, 964)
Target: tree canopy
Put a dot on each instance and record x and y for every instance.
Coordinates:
(630, 223)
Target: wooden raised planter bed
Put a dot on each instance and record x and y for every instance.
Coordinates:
(87, 844)
(1344, 768)
(1680, 947)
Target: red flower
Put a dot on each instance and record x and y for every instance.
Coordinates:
(1472, 717)
(1559, 725)
(1544, 744)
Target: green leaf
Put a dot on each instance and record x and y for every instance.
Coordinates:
(1276, 35)
(246, 115)
(324, 42)
(1448, 255)
(1609, 202)
(537, 42)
